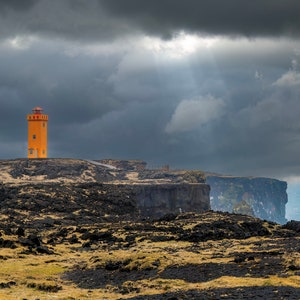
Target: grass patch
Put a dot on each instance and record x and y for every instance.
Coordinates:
(39, 276)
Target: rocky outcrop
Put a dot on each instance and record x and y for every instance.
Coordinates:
(151, 193)
(157, 200)
(20, 171)
(103, 201)
(73, 187)
(264, 197)
(71, 203)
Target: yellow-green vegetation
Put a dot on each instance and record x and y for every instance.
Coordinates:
(148, 259)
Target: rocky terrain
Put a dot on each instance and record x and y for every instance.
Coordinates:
(102, 186)
(156, 192)
(74, 229)
(211, 255)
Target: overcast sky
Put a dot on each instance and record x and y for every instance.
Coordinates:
(198, 84)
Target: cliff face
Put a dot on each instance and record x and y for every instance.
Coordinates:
(263, 197)
(86, 189)
(156, 200)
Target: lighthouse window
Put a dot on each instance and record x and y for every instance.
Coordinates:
(44, 124)
(34, 137)
(30, 151)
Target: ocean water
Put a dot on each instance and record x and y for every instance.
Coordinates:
(293, 205)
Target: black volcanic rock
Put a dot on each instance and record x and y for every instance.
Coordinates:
(7, 244)
(88, 200)
(293, 225)
(56, 168)
(267, 257)
(229, 226)
(245, 293)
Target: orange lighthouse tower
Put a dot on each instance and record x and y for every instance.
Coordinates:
(37, 133)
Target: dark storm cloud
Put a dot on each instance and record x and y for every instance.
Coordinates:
(233, 17)
(18, 5)
(57, 18)
(108, 19)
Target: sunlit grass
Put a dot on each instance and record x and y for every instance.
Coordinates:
(30, 271)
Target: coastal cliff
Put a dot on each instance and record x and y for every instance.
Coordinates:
(157, 200)
(264, 198)
(72, 187)
(120, 187)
